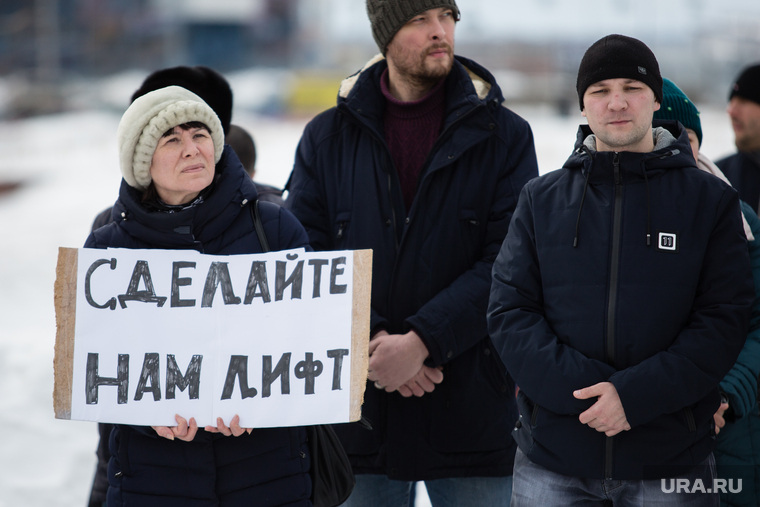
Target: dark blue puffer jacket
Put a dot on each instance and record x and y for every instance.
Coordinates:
(663, 322)
(431, 264)
(266, 468)
(743, 171)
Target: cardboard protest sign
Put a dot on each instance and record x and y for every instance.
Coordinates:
(281, 339)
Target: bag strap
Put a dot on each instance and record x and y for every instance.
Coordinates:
(259, 226)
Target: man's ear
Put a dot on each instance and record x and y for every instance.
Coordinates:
(657, 105)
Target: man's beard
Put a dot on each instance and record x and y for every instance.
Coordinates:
(419, 71)
(747, 143)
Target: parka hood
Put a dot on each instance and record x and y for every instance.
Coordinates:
(671, 142)
(469, 87)
(483, 83)
(671, 151)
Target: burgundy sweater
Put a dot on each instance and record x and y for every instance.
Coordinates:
(411, 129)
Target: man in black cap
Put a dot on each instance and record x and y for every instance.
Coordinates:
(620, 299)
(421, 162)
(743, 168)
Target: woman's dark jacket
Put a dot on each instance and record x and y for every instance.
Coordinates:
(431, 264)
(269, 466)
(654, 297)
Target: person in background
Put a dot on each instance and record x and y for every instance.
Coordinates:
(214, 89)
(621, 297)
(182, 188)
(421, 162)
(205, 82)
(743, 168)
(737, 422)
(242, 143)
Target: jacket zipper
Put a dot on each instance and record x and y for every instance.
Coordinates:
(425, 171)
(612, 295)
(422, 176)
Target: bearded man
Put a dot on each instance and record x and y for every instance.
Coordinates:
(421, 162)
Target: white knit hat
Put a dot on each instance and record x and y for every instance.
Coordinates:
(148, 118)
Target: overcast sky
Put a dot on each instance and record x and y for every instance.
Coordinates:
(547, 19)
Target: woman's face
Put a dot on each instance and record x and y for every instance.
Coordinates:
(183, 164)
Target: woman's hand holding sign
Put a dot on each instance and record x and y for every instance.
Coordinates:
(234, 429)
(186, 431)
(182, 430)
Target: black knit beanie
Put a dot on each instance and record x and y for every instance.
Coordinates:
(208, 84)
(747, 85)
(617, 56)
(388, 16)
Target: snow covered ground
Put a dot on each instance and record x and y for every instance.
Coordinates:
(68, 170)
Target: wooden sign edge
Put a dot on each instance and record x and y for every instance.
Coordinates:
(361, 305)
(65, 319)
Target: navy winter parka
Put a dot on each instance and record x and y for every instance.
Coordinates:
(268, 467)
(743, 171)
(431, 264)
(581, 296)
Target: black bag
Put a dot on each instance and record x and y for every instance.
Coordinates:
(332, 478)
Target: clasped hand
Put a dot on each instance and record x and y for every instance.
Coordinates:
(396, 364)
(186, 431)
(606, 415)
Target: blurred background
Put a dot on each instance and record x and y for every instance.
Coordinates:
(69, 67)
(52, 50)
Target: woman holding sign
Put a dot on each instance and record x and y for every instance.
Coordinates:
(183, 189)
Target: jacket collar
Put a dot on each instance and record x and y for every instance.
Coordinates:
(468, 86)
(672, 151)
(662, 139)
(193, 226)
(481, 85)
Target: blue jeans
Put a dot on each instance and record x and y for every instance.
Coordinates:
(379, 491)
(534, 485)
